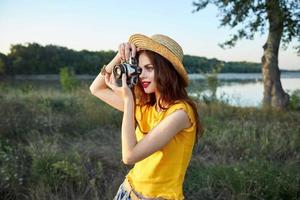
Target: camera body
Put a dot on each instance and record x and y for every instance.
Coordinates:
(130, 69)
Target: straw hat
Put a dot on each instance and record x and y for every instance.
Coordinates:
(164, 46)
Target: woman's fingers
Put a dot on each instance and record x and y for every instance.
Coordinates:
(113, 80)
(122, 91)
(122, 51)
(133, 50)
(127, 50)
(124, 82)
(109, 82)
(107, 78)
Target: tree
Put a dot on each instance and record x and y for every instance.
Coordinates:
(3, 61)
(281, 18)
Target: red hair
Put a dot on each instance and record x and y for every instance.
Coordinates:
(170, 86)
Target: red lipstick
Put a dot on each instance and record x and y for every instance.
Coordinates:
(145, 84)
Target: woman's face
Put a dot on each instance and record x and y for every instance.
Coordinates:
(147, 76)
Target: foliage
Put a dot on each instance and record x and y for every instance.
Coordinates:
(68, 79)
(53, 165)
(195, 64)
(294, 103)
(14, 169)
(252, 180)
(250, 16)
(212, 83)
(3, 64)
(36, 59)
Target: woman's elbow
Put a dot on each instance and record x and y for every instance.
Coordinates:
(128, 161)
(92, 90)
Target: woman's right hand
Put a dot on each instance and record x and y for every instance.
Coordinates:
(125, 51)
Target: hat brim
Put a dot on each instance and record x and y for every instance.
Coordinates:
(148, 43)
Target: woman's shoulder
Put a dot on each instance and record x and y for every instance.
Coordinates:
(180, 104)
(186, 107)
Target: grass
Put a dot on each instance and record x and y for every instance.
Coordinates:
(56, 145)
(257, 179)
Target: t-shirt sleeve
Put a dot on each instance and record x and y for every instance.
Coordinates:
(185, 107)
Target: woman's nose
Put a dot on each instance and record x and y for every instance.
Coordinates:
(142, 75)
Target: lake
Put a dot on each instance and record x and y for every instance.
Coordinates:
(245, 89)
(235, 88)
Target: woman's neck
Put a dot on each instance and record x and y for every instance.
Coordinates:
(160, 105)
(157, 103)
(157, 96)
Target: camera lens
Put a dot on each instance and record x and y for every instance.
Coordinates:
(134, 80)
(117, 70)
(138, 70)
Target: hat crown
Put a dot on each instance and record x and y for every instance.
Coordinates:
(170, 44)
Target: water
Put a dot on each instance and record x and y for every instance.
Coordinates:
(236, 89)
(251, 94)
(243, 89)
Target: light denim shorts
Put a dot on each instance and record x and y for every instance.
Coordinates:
(122, 194)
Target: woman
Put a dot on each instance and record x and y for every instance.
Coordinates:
(160, 122)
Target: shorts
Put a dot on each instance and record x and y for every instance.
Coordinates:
(122, 194)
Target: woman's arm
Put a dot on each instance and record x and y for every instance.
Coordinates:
(129, 140)
(99, 88)
(156, 139)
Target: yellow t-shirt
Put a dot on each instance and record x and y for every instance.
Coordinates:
(162, 173)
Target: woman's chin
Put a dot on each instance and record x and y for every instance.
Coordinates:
(148, 90)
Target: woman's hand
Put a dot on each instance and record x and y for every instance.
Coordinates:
(124, 91)
(126, 50)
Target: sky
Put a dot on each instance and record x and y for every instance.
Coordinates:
(102, 25)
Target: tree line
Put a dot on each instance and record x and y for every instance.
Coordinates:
(33, 58)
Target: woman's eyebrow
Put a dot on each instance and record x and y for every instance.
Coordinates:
(147, 65)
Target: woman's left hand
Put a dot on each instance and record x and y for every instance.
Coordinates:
(123, 91)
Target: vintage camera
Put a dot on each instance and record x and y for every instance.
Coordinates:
(130, 69)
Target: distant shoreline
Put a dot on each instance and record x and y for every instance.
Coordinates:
(221, 76)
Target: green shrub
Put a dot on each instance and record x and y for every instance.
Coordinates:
(68, 80)
(14, 169)
(253, 180)
(54, 164)
(294, 103)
